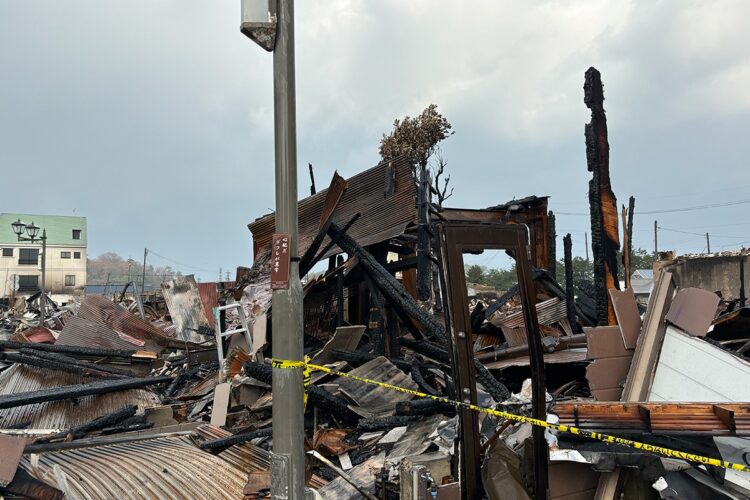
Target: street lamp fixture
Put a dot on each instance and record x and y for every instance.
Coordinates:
(18, 227)
(32, 230)
(259, 22)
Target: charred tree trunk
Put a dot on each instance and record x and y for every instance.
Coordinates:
(605, 240)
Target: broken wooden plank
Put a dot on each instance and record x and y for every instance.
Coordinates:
(78, 390)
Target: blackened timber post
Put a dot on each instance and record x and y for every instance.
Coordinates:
(570, 305)
(605, 241)
(424, 264)
(551, 245)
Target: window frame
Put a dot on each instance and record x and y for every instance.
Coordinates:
(77, 233)
(27, 288)
(65, 254)
(6, 250)
(28, 261)
(70, 280)
(77, 255)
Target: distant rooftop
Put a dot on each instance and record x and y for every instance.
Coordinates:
(59, 228)
(646, 274)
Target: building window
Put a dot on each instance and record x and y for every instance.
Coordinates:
(64, 255)
(28, 256)
(76, 255)
(76, 234)
(7, 252)
(70, 280)
(28, 283)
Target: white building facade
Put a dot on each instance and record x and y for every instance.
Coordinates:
(21, 262)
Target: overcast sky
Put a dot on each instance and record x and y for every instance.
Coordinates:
(154, 118)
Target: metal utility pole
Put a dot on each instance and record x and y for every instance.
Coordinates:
(271, 24)
(656, 241)
(143, 276)
(708, 244)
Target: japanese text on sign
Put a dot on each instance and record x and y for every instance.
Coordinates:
(280, 258)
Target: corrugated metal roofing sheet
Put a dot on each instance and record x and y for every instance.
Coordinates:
(61, 414)
(209, 293)
(82, 332)
(102, 310)
(383, 217)
(550, 311)
(245, 456)
(165, 468)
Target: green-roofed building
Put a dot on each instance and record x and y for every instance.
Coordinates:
(20, 262)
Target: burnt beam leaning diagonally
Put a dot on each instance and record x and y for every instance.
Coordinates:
(605, 241)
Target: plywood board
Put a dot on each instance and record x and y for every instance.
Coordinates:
(221, 403)
(626, 310)
(693, 310)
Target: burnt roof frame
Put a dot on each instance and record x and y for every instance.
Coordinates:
(456, 239)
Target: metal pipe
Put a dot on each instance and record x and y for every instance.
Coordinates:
(288, 464)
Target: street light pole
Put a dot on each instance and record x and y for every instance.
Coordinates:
(43, 301)
(288, 477)
(270, 23)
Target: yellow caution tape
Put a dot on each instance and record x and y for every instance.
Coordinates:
(306, 372)
(659, 450)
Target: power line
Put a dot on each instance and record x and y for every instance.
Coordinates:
(700, 234)
(151, 252)
(670, 210)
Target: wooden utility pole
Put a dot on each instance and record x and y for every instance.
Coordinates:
(656, 241)
(551, 245)
(708, 244)
(586, 236)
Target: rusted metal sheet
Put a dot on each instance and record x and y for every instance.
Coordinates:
(84, 333)
(102, 310)
(605, 239)
(164, 467)
(186, 309)
(11, 449)
(209, 293)
(383, 216)
(565, 356)
(61, 414)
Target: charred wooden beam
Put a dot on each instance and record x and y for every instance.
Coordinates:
(376, 320)
(78, 390)
(426, 348)
(551, 245)
(334, 241)
(236, 439)
(392, 290)
(605, 240)
(383, 423)
(629, 242)
(424, 407)
(69, 349)
(570, 297)
(61, 358)
(317, 396)
(107, 420)
(56, 365)
(401, 264)
(424, 235)
(312, 179)
(497, 389)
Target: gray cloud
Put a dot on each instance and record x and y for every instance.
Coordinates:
(154, 119)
